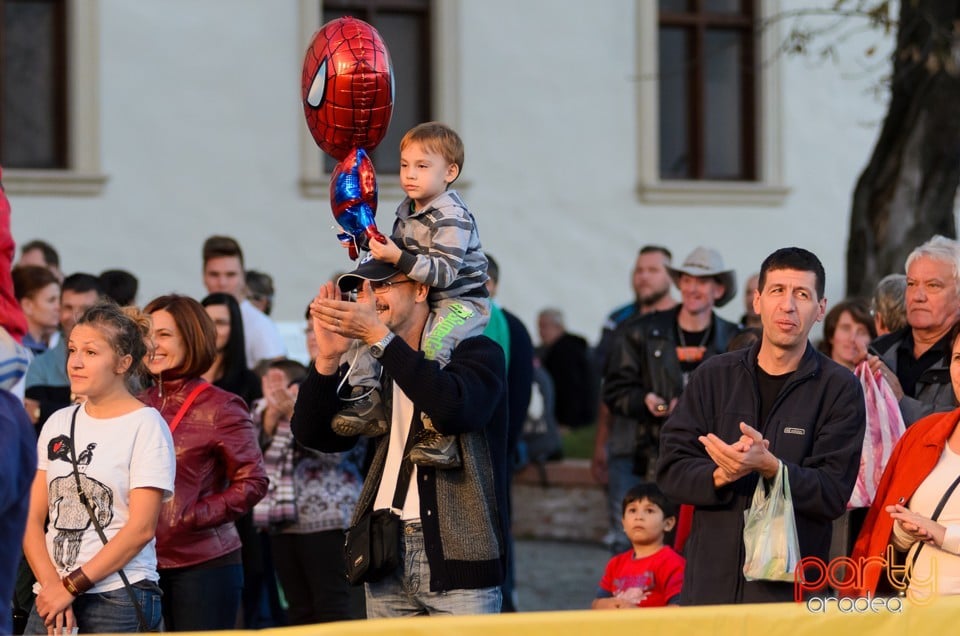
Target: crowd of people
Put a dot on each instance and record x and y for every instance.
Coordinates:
(169, 460)
(846, 418)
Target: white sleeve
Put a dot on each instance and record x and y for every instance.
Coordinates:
(153, 461)
(951, 539)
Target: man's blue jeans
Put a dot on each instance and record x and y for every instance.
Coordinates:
(109, 612)
(406, 592)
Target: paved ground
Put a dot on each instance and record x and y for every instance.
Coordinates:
(558, 575)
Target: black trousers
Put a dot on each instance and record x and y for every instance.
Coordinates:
(311, 571)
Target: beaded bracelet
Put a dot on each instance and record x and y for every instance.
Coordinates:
(77, 582)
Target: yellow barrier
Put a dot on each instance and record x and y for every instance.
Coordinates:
(795, 619)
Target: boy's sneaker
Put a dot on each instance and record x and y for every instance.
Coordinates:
(364, 416)
(435, 450)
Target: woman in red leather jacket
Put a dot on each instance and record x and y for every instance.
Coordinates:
(220, 473)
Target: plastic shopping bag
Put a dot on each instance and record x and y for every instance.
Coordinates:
(770, 532)
(884, 428)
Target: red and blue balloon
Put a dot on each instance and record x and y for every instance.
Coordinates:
(347, 90)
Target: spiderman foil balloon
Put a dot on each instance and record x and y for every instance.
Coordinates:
(353, 197)
(347, 89)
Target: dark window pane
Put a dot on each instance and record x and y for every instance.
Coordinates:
(674, 6)
(674, 104)
(722, 6)
(723, 107)
(406, 34)
(32, 86)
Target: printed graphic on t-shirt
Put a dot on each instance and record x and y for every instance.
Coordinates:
(68, 515)
(634, 588)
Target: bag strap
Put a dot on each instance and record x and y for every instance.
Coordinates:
(406, 466)
(96, 522)
(197, 390)
(933, 517)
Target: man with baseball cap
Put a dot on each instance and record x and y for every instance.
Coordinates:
(454, 527)
(650, 367)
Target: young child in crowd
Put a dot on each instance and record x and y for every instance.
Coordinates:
(650, 574)
(435, 242)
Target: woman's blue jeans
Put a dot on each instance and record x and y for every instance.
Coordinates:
(110, 612)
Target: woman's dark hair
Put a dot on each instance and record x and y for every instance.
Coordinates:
(234, 353)
(126, 330)
(860, 312)
(30, 279)
(196, 330)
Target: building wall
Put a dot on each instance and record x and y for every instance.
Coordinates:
(201, 126)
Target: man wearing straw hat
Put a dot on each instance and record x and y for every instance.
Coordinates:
(657, 352)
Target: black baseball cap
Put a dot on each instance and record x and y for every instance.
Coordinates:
(369, 269)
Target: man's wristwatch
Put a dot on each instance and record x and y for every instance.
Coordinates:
(376, 349)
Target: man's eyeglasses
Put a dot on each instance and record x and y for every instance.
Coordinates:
(381, 286)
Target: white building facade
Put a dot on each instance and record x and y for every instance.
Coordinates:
(185, 121)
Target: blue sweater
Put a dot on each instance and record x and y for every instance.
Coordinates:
(18, 460)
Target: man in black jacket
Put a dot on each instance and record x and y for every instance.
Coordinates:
(454, 521)
(651, 363)
(746, 412)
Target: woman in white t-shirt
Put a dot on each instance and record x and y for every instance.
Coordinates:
(121, 453)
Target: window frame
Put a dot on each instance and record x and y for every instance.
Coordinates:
(83, 175)
(444, 104)
(767, 187)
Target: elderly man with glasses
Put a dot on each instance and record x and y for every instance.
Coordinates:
(915, 360)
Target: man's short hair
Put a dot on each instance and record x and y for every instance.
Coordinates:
(438, 138)
(220, 247)
(794, 258)
(650, 492)
(81, 283)
(552, 314)
(650, 249)
(941, 249)
(120, 285)
(50, 255)
(889, 301)
(295, 372)
(260, 287)
(493, 269)
(260, 283)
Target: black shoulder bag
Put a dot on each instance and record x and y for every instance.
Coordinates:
(144, 627)
(372, 546)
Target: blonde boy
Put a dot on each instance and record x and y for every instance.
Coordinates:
(435, 242)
